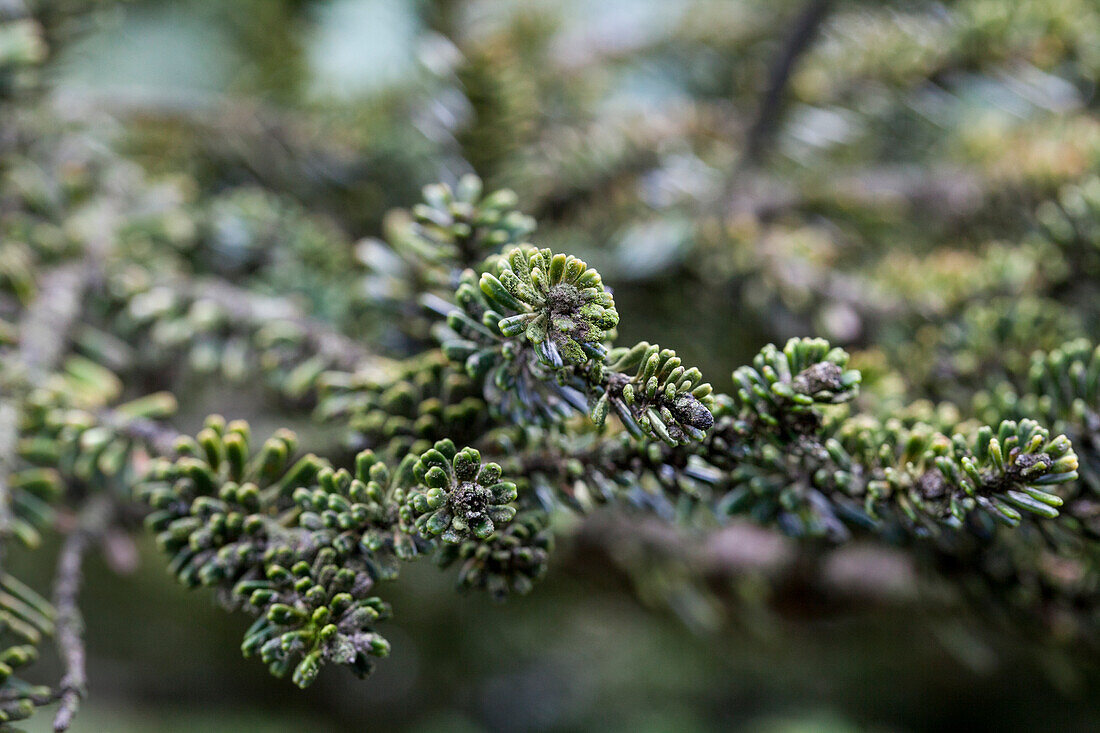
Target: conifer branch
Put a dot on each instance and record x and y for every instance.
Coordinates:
(801, 35)
(91, 524)
(301, 544)
(511, 414)
(243, 307)
(43, 334)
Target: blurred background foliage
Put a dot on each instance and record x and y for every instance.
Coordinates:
(922, 187)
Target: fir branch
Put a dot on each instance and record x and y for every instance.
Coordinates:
(9, 433)
(43, 336)
(43, 331)
(91, 525)
(213, 326)
(802, 33)
(45, 326)
(244, 307)
(300, 545)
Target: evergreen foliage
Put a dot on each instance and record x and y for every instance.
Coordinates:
(468, 363)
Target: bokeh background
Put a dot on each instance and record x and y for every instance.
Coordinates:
(740, 171)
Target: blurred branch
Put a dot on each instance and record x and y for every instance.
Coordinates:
(946, 192)
(9, 434)
(92, 524)
(157, 437)
(277, 146)
(43, 336)
(12, 9)
(44, 329)
(803, 31)
(243, 306)
(741, 548)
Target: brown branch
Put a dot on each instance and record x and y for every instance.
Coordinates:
(801, 36)
(9, 435)
(93, 522)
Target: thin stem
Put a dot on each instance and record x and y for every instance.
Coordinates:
(9, 417)
(93, 522)
(802, 34)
